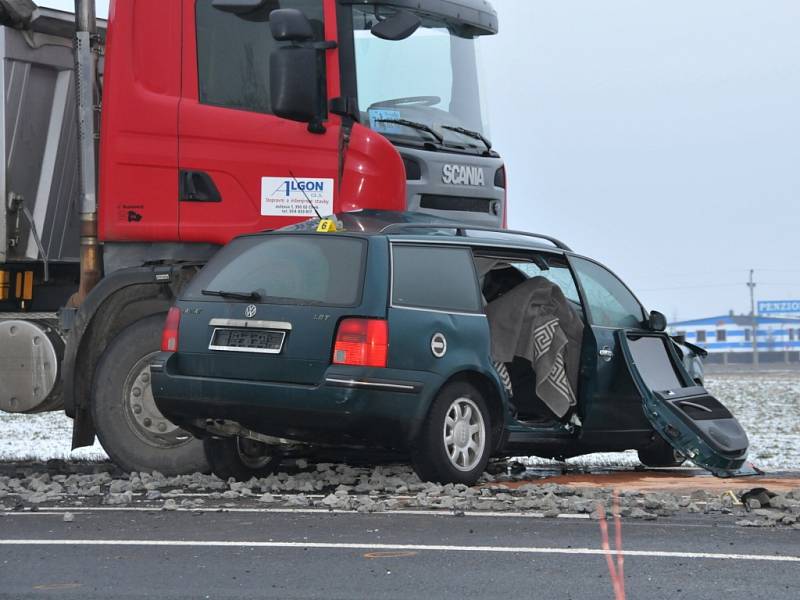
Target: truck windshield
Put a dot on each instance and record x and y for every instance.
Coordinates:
(430, 80)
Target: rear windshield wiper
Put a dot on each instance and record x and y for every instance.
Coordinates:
(253, 296)
(414, 125)
(475, 135)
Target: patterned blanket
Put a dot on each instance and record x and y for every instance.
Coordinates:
(536, 322)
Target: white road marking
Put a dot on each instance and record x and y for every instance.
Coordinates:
(47, 513)
(401, 547)
(59, 510)
(319, 511)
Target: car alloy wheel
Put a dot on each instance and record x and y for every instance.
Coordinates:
(464, 434)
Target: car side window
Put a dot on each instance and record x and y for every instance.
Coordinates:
(557, 273)
(610, 302)
(437, 278)
(233, 52)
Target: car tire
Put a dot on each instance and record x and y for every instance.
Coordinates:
(130, 428)
(454, 444)
(241, 458)
(660, 454)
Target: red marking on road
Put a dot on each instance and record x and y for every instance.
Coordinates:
(660, 481)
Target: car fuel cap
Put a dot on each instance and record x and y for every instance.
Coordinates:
(439, 345)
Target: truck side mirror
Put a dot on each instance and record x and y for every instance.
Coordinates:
(290, 25)
(657, 321)
(294, 82)
(296, 71)
(399, 26)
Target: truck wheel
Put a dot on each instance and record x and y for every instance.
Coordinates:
(454, 444)
(660, 454)
(131, 429)
(241, 458)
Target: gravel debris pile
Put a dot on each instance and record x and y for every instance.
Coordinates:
(339, 487)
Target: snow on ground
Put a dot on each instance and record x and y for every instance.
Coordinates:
(41, 437)
(767, 404)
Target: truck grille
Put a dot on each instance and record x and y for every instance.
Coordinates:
(459, 203)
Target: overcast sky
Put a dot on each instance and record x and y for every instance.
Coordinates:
(662, 138)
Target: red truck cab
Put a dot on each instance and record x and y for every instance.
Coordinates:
(193, 152)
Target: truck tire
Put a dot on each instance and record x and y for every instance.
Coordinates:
(660, 454)
(454, 444)
(241, 458)
(131, 430)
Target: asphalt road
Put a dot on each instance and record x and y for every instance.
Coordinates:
(257, 553)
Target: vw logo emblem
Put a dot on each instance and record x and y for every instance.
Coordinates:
(250, 311)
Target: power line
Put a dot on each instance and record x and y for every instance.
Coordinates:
(662, 275)
(783, 283)
(691, 287)
(717, 285)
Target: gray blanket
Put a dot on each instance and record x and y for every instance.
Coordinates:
(536, 322)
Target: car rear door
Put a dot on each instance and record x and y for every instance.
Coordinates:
(694, 422)
(436, 316)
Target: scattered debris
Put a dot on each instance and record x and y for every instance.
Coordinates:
(341, 487)
(757, 498)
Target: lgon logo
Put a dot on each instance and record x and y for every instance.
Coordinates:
(290, 185)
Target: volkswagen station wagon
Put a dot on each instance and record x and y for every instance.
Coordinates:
(448, 343)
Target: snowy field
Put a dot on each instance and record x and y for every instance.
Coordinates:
(768, 406)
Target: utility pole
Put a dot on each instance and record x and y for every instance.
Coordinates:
(754, 319)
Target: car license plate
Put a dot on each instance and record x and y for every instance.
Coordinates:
(264, 341)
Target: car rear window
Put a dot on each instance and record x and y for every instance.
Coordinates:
(435, 278)
(293, 269)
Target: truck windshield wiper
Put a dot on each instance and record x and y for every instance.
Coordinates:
(475, 135)
(414, 125)
(254, 296)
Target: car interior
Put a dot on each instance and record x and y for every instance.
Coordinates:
(499, 276)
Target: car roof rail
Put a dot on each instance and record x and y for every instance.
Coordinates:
(461, 231)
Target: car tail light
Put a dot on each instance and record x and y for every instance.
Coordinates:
(169, 337)
(361, 343)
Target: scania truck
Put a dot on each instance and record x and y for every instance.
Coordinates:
(134, 148)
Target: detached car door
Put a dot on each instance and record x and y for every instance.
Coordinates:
(694, 422)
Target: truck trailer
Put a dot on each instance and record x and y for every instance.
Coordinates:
(135, 148)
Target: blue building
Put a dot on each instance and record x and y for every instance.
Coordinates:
(729, 338)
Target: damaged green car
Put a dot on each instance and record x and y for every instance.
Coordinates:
(449, 343)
